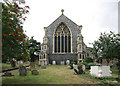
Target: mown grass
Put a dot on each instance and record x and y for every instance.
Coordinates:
(8, 66)
(54, 74)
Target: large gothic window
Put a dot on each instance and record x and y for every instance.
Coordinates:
(62, 39)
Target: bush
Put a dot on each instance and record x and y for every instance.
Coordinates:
(88, 60)
(71, 64)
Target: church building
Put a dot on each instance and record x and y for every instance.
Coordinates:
(63, 41)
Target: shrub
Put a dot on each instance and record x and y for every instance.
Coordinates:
(88, 60)
(71, 64)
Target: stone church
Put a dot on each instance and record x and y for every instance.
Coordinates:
(62, 41)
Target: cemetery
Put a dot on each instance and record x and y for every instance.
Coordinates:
(62, 58)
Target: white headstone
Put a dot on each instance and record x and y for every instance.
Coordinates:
(45, 62)
(83, 67)
(67, 62)
(75, 67)
(62, 62)
(100, 71)
(42, 63)
(54, 62)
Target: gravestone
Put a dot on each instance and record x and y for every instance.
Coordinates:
(20, 63)
(69, 67)
(54, 62)
(22, 71)
(62, 62)
(100, 71)
(34, 72)
(83, 67)
(45, 62)
(75, 68)
(43, 67)
(42, 63)
(67, 62)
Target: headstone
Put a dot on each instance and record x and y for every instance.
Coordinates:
(75, 68)
(20, 63)
(54, 62)
(22, 71)
(100, 71)
(69, 67)
(43, 67)
(34, 72)
(83, 67)
(62, 63)
(42, 63)
(67, 62)
(45, 62)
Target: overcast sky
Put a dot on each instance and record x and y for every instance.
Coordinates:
(94, 15)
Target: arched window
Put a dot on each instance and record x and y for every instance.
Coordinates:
(44, 56)
(80, 56)
(83, 56)
(62, 39)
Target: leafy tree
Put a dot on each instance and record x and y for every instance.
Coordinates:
(34, 48)
(108, 47)
(14, 44)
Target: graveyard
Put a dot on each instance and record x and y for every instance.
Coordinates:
(62, 58)
(57, 74)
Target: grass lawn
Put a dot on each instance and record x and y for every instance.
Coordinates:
(8, 66)
(54, 74)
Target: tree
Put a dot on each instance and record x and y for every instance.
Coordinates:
(14, 43)
(108, 47)
(34, 48)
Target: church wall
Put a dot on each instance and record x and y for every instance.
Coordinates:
(50, 31)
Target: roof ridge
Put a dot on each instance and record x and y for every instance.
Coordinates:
(59, 17)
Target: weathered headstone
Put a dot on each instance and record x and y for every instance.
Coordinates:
(20, 63)
(69, 67)
(75, 68)
(34, 72)
(83, 67)
(43, 67)
(42, 63)
(22, 71)
(45, 62)
(54, 62)
(62, 62)
(100, 71)
(67, 62)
